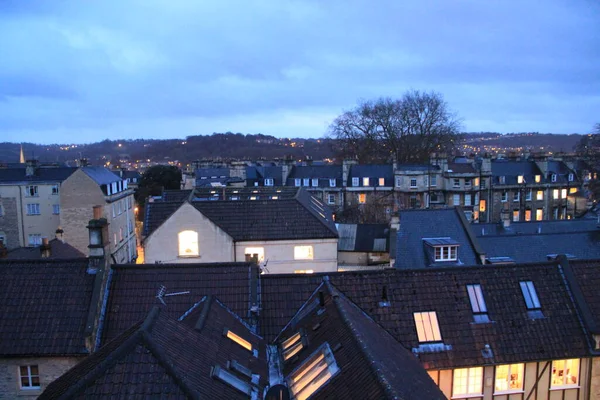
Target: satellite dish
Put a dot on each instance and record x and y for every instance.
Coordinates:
(278, 392)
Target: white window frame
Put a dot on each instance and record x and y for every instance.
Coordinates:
(297, 182)
(427, 326)
(55, 189)
(32, 191)
(331, 198)
(511, 368)
(29, 376)
(456, 199)
(398, 181)
(517, 196)
(355, 181)
(304, 252)
(467, 199)
(556, 194)
(528, 195)
(520, 179)
(413, 183)
(332, 183)
(471, 374)
(504, 198)
(34, 239)
(467, 183)
(365, 181)
(433, 181)
(563, 193)
(188, 240)
(33, 209)
(268, 181)
(553, 382)
(532, 301)
(476, 298)
(456, 182)
(553, 178)
(446, 253)
(315, 182)
(571, 177)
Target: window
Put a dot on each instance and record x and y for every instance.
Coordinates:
(297, 182)
(313, 373)
(539, 214)
(517, 196)
(539, 195)
(476, 297)
(188, 244)
(365, 181)
(467, 183)
(456, 199)
(268, 181)
(572, 190)
(292, 346)
(434, 198)
(427, 326)
(456, 183)
(528, 195)
(54, 189)
(33, 209)
(332, 183)
(504, 197)
(120, 234)
(315, 182)
(433, 181)
(56, 209)
(305, 181)
(31, 191)
(304, 271)
(413, 183)
(29, 375)
(234, 381)
(238, 339)
(362, 198)
(563, 193)
(381, 181)
(3, 238)
(120, 207)
(571, 178)
(476, 182)
(553, 178)
(483, 183)
(35, 239)
(467, 199)
(520, 179)
(529, 294)
(303, 253)
(538, 178)
(509, 378)
(256, 254)
(467, 381)
(331, 199)
(445, 253)
(515, 216)
(482, 205)
(398, 181)
(528, 215)
(555, 194)
(413, 201)
(502, 179)
(114, 210)
(565, 373)
(355, 181)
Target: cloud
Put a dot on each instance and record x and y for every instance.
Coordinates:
(87, 71)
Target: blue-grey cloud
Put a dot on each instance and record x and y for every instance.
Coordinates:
(75, 71)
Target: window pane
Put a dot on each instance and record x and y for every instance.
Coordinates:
(188, 243)
(34, 370)
(459, 382)
(475, 380)
(25, 382)
(303, 252)
(501, 378)
(23, 370)
(35, 381)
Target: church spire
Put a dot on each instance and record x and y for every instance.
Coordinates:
(22, 157)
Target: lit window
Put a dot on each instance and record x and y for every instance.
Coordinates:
(456, 183)
(332, 183)
(381, 181)
(365, 181)
(303, 252)
(515, 216)
(539, 214)
(54, 189)
(292, 346)
(413, 183)
(446, 253)
(482, 205)
(565, 373)
(304, 271)
(188, 244)
(509, 378)
(476, 182)
(538, 178)
(331, 199)
(269, 182)
(297, 182)
(520, 179)
(427, 326)
(467, 381)
(238, 339)
(555, 194)
(31, 191)
(553, 177)
(563, 193)
(529, 294)
(355, 181)
(527, 215)
(254, 253)
(29, 375)
(362, 198)
(539, 195)
(313, 373)
(35, 239)
(572, 190)
(33, 209)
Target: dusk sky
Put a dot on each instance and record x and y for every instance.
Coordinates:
(83, 71)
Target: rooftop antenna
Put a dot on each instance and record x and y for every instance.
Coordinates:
(162, 293)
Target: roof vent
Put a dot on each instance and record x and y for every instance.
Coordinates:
(487, 352)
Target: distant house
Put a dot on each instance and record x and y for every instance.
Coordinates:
(216, 177)
(323, 181)
(286, 230)
(363, 245)
(54, 249)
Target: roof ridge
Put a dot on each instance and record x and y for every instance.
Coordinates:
(137, 267)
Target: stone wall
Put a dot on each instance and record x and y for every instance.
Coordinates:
(9, 222)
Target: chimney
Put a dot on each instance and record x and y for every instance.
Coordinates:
(60, 234)
(98, 265)
(346, 165)
(31, 167)
(83, 162)
(45, 248)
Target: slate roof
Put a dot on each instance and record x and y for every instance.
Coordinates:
(164, 358)
(417, 167)
(512, 169)
(43, 307)
(587, 276)
(58, 251)
(534, 227)
(42, 174)
(461, 168)
(416, 225)
(175, 195)
(321, 172)
(134, 290)
(259, 173)
(363, 237)
(157, 212)
(209, 176)
(372, 171)
(372, 364)
(513, 336)
(101, 175)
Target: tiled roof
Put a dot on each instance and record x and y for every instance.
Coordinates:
(157, 212)
(321, 172)
(417, 167)
(372, 171)
(58, 251)
(372, 364)
(212, 172)
(175, 195)
(164, 358)
(416, 225)
(512, 169)
(134, 290)
(43, 307)
(42, 174)
(530, 228)
(587, 275)
(260, 172)
(461, 168)
(513, 336)
(363, 237)
(101, 175)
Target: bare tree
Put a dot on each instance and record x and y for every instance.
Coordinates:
(408, 129)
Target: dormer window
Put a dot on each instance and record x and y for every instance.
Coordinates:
(477, 303)
(355, 181)
(445, 249)
(428, 329)
(292, 346)
(520, 179)
(269, 182)
(313, 374)
(305, 181)
(538, 178)
(381, 181)
(237, 339)
(315, 182)
(553, 178)
(502, 179)
(297, 182)
(365, 181)
(332, 183)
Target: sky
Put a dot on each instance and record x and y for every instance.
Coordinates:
(83, 71)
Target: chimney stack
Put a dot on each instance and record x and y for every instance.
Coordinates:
(31, 167)
(45, 248)
(98, 247)
(60, 234)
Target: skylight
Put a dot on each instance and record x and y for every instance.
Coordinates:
(530, 295)
(238, 339)
(292, 346)
(427, 326)
(313, 374)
